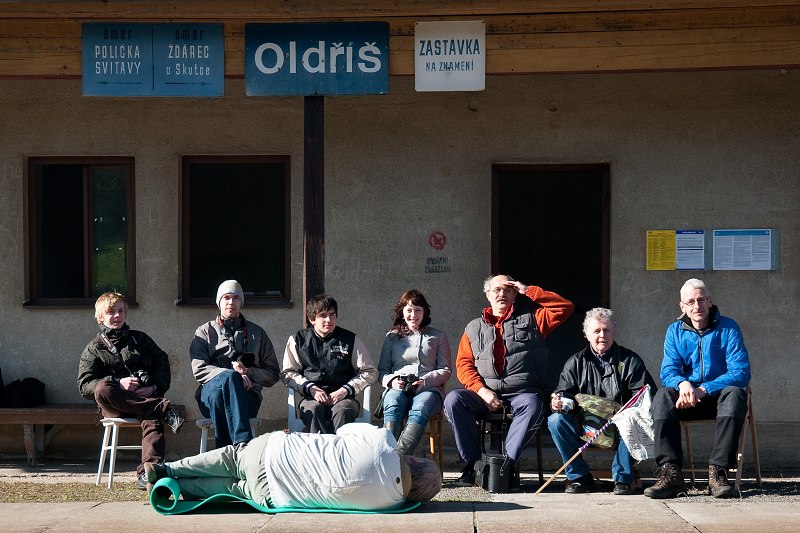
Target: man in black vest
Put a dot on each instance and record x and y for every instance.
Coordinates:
(502, 363)
(327, 366)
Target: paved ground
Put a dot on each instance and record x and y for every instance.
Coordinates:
(775, 507)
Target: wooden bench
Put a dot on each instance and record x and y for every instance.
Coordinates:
(35, 419)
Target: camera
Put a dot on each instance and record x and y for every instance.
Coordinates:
(144, 378)
(408, 382)
(246, 359)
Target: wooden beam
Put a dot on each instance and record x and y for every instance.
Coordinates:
(706, 38)
(348, 9)
(313, 199)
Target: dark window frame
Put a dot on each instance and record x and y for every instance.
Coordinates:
(187, 299)
(33, 210)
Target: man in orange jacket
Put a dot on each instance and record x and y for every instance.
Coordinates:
(502, 361)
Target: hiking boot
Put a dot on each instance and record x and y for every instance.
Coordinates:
(174, 420)
(581, 485)
(718, 485)
(467, 478)
(152, 473)
(669, 483)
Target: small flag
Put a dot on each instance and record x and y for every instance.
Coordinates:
(635, 425)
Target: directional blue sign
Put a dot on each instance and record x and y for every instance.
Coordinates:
(117, 59)
(153, 59)
(189, 59)
(317, 58)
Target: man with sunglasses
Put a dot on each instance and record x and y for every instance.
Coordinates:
(705, 374)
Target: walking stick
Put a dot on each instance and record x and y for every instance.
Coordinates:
(597, 434)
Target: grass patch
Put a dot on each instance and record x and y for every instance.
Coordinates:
(25, 492)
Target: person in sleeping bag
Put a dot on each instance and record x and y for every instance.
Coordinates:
(355, 469)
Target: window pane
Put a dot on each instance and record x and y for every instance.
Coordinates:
(60, 257)
(109, 229)
(237, 227)
(80, 217)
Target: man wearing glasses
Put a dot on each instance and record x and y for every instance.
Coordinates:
(705, 374)
(502, 363)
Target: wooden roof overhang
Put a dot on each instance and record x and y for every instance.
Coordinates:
(43, 39)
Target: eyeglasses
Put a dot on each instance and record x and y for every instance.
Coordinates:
(700, 302)
(501, 290)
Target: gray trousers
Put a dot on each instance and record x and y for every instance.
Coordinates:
(225, 470)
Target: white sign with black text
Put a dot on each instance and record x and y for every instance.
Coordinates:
(450, 56)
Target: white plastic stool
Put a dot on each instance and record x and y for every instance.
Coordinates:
(205, 424)
(111, 433)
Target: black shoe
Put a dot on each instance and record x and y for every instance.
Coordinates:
(467, 478)
(141, 482)
(718, 485)
(580, 485)
(174, 420)
(624, 489)
(669, 484)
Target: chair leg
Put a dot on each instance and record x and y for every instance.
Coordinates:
(103, 449)
(740, 455)
(435, 442)
(112, 460)
(754, 446)
(203, 439)
(539, 455)
(439, 445)
(749, 424)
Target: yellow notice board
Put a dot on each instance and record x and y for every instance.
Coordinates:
(661, 249)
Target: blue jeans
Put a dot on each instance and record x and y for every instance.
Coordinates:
(564, 431)
(230, 407)
(419, 407)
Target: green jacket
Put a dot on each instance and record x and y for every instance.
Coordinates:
(135, 351)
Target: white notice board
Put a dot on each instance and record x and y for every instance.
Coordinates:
(745, 249)
(450, 56)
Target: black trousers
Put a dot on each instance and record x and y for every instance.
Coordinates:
(729, 407)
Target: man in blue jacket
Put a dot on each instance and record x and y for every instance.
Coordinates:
(705, 374)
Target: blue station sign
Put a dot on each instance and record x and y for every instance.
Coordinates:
(317, 59)
(153, 59)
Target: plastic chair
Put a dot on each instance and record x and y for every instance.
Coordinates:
(111, 444)
(205, 424)
(749, 424)
(296, 425)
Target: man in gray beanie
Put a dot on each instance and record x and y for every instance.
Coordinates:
(232, 359)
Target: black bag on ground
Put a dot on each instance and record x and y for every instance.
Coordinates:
(493, 472)
(27, 392)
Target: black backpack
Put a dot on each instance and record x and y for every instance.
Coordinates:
(27, 392)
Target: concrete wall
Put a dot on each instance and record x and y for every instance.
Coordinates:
(686, 150)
